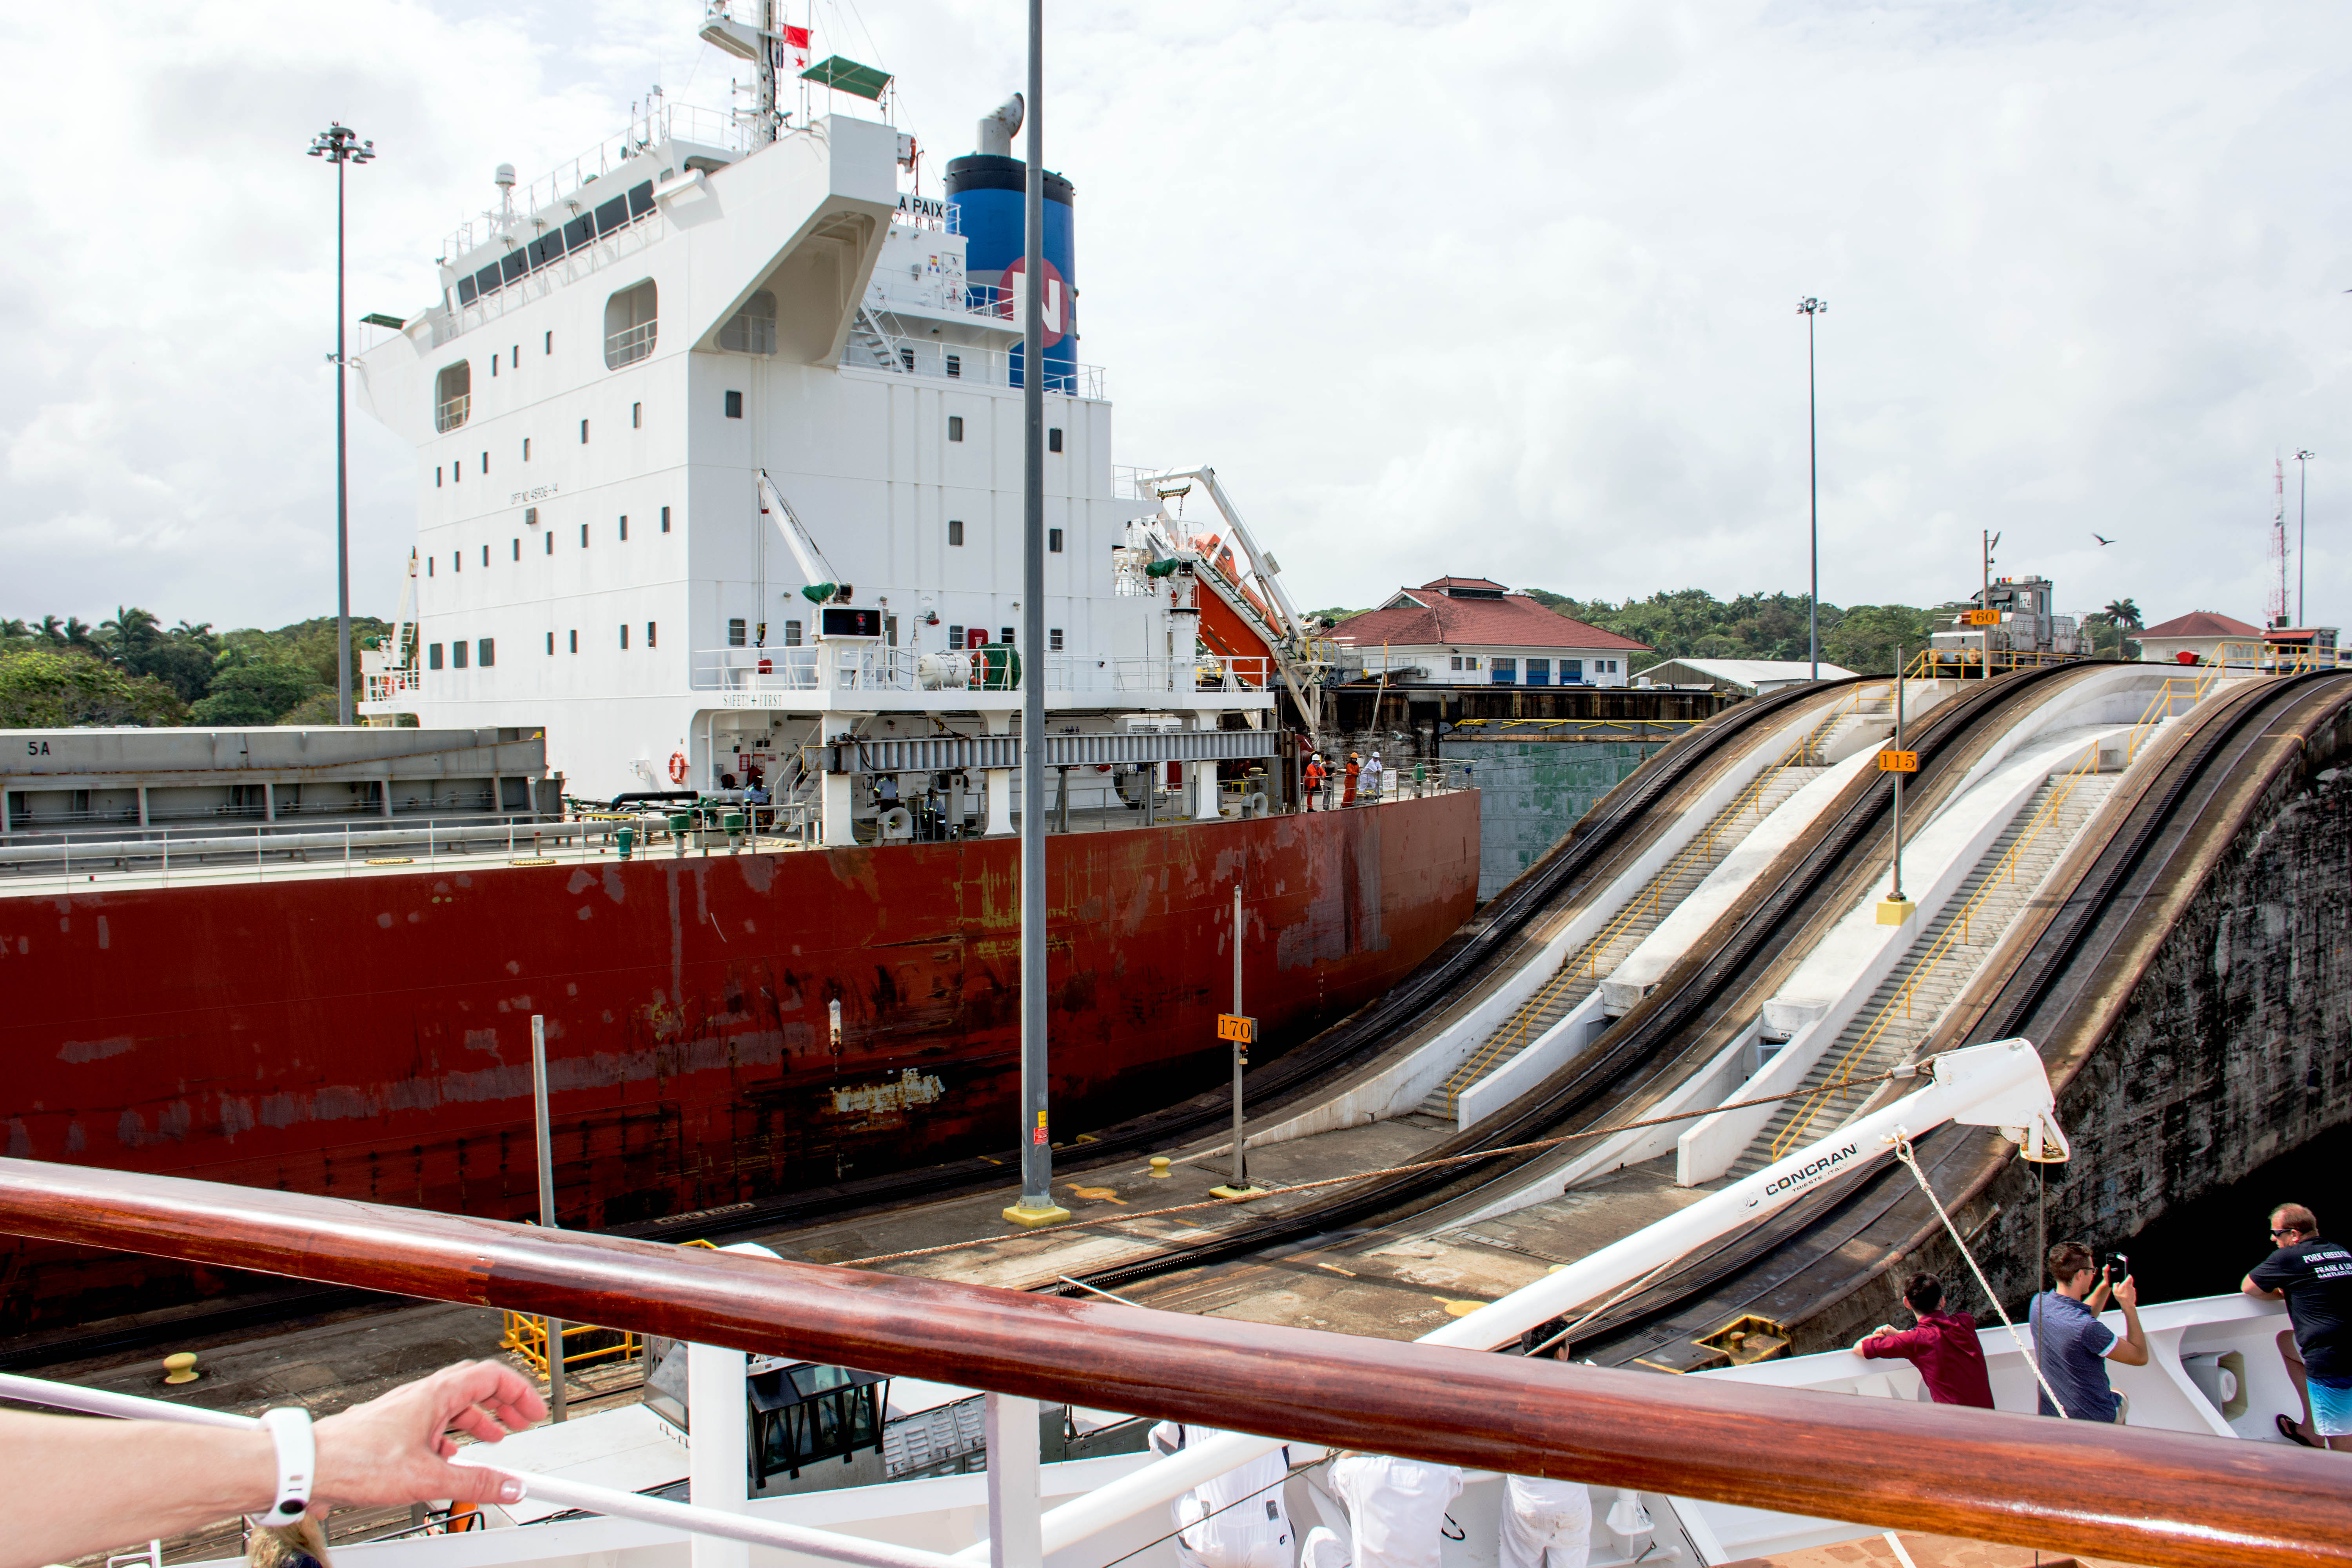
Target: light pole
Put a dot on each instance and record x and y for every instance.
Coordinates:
(1810, 308)
(339, 144)
(2302, 531)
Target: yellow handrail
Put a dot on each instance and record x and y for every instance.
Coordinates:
(526, 1335)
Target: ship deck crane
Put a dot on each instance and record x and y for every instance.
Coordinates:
(2001, 1084)
(824, 583)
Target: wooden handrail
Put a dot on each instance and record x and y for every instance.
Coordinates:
(2164, 1499)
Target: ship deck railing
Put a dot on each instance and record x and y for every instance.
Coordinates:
(826, 670)
(2165, 1498)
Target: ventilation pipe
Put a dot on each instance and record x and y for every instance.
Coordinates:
(997, 130)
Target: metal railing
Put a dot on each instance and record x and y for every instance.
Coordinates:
(453, 412)
(912, 356)
(824, 668)
(2146, 1495)
(630, 344)
(665, 122)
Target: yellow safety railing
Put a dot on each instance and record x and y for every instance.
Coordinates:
(526, 1335)
(1514, 1031)
(2160, 707)
(1933, 663)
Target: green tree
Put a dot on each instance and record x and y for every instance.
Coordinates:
(1867, 636)
(45, 690)
(2125, 614)
(253, 686)
(129, 636)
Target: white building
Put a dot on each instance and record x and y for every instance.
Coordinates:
(1468, 631)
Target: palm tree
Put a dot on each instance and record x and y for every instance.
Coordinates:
(2123, 613)
(78, 635)
(50, 632)
(13, 628)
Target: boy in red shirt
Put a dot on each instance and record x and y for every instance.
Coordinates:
(1944, 1346)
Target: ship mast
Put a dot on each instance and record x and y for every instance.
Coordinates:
(761, 44)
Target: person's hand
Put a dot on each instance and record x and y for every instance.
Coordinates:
(396, 1449)
(1882, 1328)
(2127, 1294)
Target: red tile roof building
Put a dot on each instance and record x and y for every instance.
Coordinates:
(1472, 631)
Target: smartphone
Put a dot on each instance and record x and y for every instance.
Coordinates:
(2119, 1266)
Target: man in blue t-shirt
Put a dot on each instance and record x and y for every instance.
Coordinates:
(2315, 1277)
(2074, 1347)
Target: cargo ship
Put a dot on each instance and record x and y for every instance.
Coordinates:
(719, 499)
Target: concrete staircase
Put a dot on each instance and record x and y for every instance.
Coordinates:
(1882, 1033)
(1584, 969)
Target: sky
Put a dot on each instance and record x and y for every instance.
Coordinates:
(1501, 290)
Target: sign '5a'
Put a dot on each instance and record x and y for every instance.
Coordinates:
(1233, 1026)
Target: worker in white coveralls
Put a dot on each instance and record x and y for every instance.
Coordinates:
(1546, 1523)
(1237, 1520)
(1396, 1509)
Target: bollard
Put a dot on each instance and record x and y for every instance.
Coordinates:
(733, 822)
(1159, 1165)
(627, 838)
(180, 1367)
(679, 823)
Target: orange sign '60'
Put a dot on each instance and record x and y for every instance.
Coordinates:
(1235, 1027)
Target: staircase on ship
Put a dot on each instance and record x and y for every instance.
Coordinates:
(1888, 1028)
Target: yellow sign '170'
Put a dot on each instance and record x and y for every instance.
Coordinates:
(1237, 1028)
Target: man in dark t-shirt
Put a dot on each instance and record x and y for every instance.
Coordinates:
(1944, 1347)
(2314, 1278)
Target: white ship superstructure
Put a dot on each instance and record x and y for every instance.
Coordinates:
(617, 359)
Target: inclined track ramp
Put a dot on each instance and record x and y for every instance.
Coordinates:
(1593, 849)
(1819, 873)
(2055, 984)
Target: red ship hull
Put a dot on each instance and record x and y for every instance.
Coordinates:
(369, 1038)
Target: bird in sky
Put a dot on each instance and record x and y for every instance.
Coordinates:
(2102, 538)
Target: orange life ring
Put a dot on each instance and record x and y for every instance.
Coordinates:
(677, 767)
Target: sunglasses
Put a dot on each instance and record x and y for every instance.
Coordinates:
(2285, 1230)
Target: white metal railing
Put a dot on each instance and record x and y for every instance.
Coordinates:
(630, 344)
(391, 685)
(663, 122)
(606, 1500)
(452, 412)
(858, 667)
(980, 366)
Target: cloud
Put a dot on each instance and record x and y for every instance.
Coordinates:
(1504, 289)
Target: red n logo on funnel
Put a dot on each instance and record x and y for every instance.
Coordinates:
(1014, 301)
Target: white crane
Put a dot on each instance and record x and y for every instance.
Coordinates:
(824, 583)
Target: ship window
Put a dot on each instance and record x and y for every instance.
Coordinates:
(583, 536)
(486, 281)
(734, 405)
(792, 633)
(625, 528)
(512, 265)
(649, 633)
(736, 633)
(526, 448)
(467, 293)
(641, 198)
(955, 365)
(955, 530)
(636, 416)
(1054, 439)
(486, 555)
(518, 549)
(575, 640)
(429, 566)
(625, 636)
(1054, 639)
(485, 462)
(456, 472)
(457, 560)
(487, 654)
(433, 656)
(612, 217)
(579, 231)
(664, 519)
(1054, 540)
(547, 248)
(549, 538)
(457, 656)
(955, 427)
(551, 645)
(630, 325)
(753, 329)
(494, 367)
(437, 476)
(452, 397)
(907, 359)
(1007, 639)
(549, 346)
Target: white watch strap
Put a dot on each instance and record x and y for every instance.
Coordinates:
(298, 1464)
